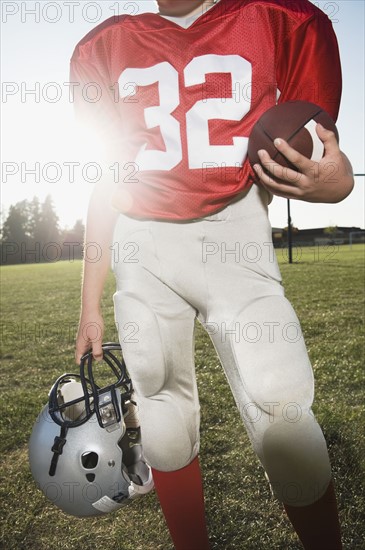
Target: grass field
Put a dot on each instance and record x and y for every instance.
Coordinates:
(40, 313)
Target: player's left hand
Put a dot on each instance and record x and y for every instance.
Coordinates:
(329, 180)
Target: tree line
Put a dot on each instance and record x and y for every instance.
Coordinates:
(31, 234)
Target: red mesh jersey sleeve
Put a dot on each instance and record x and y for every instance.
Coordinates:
(96, 107)
(309, 65)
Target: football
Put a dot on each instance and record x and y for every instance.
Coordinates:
(295, 122)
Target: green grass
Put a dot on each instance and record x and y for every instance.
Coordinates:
(40, 312)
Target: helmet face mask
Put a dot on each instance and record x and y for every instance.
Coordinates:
(81, 454)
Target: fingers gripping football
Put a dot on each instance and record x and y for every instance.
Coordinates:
(329, 180)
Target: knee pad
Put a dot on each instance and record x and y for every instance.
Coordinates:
(170, 433)
(295, 458)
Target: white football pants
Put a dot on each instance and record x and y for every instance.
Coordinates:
(222, 270)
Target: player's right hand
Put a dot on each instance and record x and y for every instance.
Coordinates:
(90, 335)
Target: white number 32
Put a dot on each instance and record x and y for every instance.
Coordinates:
(197, 118)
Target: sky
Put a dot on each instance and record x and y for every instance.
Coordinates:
(38, 143)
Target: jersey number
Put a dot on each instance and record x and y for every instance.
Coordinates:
(197, 118)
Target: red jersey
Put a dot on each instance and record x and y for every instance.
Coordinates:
(178, 105)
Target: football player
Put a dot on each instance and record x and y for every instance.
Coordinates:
(177, 94)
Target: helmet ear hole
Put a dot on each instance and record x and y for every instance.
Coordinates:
(89, 460)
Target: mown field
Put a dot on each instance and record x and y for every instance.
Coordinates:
(39, 318)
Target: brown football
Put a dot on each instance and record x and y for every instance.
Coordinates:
(295, 122)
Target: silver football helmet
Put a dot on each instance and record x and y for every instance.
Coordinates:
(82, 455)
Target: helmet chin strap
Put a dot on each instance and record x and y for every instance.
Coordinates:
(57, 449)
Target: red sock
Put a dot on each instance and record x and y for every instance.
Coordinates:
(317, 525)
(182, 501)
